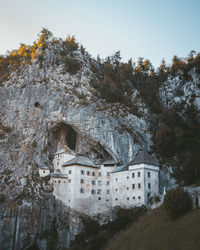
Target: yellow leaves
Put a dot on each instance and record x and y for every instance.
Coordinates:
(71, 43)
(70, 39)
(22, 50)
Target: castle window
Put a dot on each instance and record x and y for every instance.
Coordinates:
(116, 179)
(99, 198)
(99, 191)
(44, 172)
(64, 181)
(149, 185)
(116, 199)
(127, 198)
(127, 177)
(127, 188)
(70, 171)
(149, 174)
(108, 191)
(133, 175)
(82, 190)
(69, 201)
(139, 197)
(69, 180)
(138, 174)
(133, 197)
(88, 173)
(82, 181)
(107, 200)
(107, 182)
(139, 185)
(82, 172)
(93, 173)
(99, 183)
(55, 181)
(93, 183)
(99, 174)
(59, 181)
(108, 174)
(133, 186)
(93, 191)
(116, 189)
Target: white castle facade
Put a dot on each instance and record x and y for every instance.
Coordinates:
(95, 188)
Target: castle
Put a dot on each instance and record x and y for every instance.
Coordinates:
(95, 188)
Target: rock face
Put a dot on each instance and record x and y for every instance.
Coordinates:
(28, 226)
(40, 111)
(42, 108)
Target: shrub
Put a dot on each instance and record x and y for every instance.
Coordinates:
(157, 199)
(177, 202)
(2, 198)
(34, 144)
(72, 65)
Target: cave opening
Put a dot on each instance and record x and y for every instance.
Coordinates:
(63, 134)
(37, 105)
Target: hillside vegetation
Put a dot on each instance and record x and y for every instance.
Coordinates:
(157, 232)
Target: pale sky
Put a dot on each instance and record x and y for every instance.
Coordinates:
(152, 29)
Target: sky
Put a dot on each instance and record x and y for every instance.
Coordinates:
(153, 29)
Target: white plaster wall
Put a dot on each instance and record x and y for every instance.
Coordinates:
(153, 180)
(110, 189)
(59, 159)
(60, 188)
(123, 193)
(44, 172)
(89, 202)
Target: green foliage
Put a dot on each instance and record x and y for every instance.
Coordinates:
(115, 81)
(72, 65)
(177, 202)
(71, 44)
(177, 144)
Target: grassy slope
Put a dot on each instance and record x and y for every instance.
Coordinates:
(157, 232)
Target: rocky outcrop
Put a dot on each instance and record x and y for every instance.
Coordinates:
(39, 106)
(28, 226)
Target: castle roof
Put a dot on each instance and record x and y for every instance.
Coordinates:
(143, 156)
(120, 168)
(58, 175)
(44, 167)
(65, 150)
(82, 161)
(109, 162)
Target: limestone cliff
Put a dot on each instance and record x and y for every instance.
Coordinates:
(43, 107)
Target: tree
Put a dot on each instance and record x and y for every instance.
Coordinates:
(177, 144)
(177, 202)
